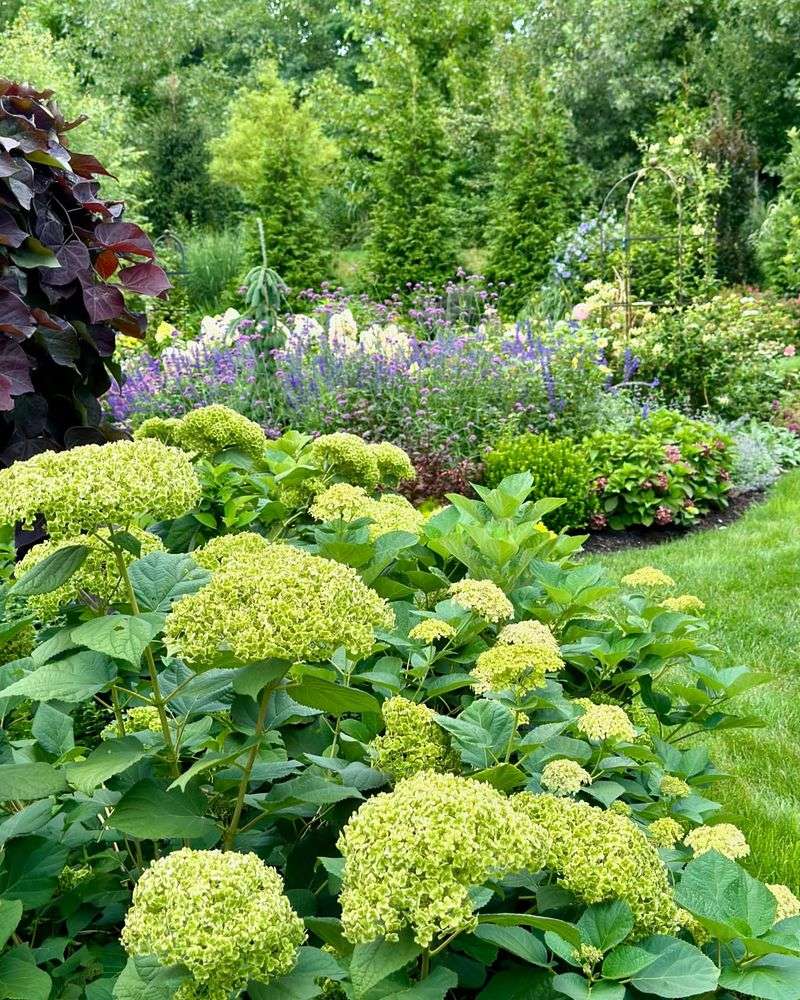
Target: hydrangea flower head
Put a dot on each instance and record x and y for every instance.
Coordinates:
(411, 742)
(528, 633)
(665, 832)
(163, 429)
(484, 598)
(565, 777)
(603, 722)
(519, 669)
(20, 645)
(245, 546)
(431, 629)
(600, 855)
(96, 577)
(222, 915)
(142, 718)
(672, 787)
(348, 457)
(92, 487)
(341, 501)
(412, 854)
(209, 430)
(685, 604)
(724, 838)
(648, 576)
(394, 465)
(788, 903)
(285, 604)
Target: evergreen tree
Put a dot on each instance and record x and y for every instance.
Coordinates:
(411, 237)
(536, 193)
(275, 155)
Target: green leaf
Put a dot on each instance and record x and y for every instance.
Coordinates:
(25, 782)
(31, 866)
(626, 961)
(436, 986)
(606, 924)
(725, 898)
(144, 979)
(110, 758)
(680, 970)
(481, 732)
(301, 983)
(75, 678)
(149, 812)
(563, 929)
(370, 963)
(774, 978)
(520, 985)
(504, 777)
(160, 578)
(253, 678)
(52, 730)
(52, 572)
(332, 698)
(122, 637)
(20, 979)
(515, 940)
(10, 915)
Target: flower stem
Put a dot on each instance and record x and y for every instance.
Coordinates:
(230, 833)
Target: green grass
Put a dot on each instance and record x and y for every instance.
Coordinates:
(748, 574)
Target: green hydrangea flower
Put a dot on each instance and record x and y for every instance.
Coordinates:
(724, 838)
(85, 489)
(648, 577)
(20, 645)
(528, 633)
(222, 915)
(603, 722)
(686, 604)
(209, 430)
(665, 832)
(672, 787)
(347, 457)
(163, 429)
(788, 903)
(431, 629)
(143, 718)
(600, 855)
(412, 742)
(285, 603)
(484, 598)
(516, 668)
(246, 546)
(412, 854)
(565, 777)
(394, 465)
(391, 512)
(97, 577)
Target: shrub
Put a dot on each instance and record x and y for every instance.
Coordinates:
(247, 694)
(59, 246)
(761, 452)
(777, 241)
(732, 354)
(663, 469)
(560, 468)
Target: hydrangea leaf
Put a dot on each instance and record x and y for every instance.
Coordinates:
(26, 782)
(110, 758)
(122, 637)
(52, 572)
(373, 962)
(73, 679)
(160, 578)
(679, 971)
(151, 813)
(20, 979)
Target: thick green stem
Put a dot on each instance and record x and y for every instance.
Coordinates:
(425, 970)
(158, 700)
(510, 746)
(117, 710)
(247, 770)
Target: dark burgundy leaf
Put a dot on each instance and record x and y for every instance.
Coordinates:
(85, 165)
(145, 279)
(106, 264)
(75, 263)
(132, 324)
(60, 340)
(15, 367)
(8, 164)
(124, 237)
(85, 192)
(6, 399)
(10, 233)
(15, 317)
(21, 192)
(50, 231)
(102, 302)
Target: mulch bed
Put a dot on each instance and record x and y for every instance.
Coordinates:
(602, 542)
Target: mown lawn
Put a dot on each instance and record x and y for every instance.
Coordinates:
(749, 576)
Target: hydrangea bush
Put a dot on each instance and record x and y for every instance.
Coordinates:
(441, 759)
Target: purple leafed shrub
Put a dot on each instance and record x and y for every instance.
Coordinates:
(66, 258)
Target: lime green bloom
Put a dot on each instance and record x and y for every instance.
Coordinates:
(394, 465)
(122, 483)
(672, 787)
(246, 546)
(565, 777)
(411, 742)
(72, 876)
(603, 722)
(484, 598)
(222, 915)
(686, 604)
(788, 903)
(620, 808)
(665, 832)
(143, 718)
(431, 629)
(209, 430)
(284, 603)
(528, 633)
(347, 457)
(163, 429)
(412, 854)
(391, 512)
(648, 576)
(519, 669)
(20, 645)
(600, 856)
(96, 578)
(587, 956)
(724, 838)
